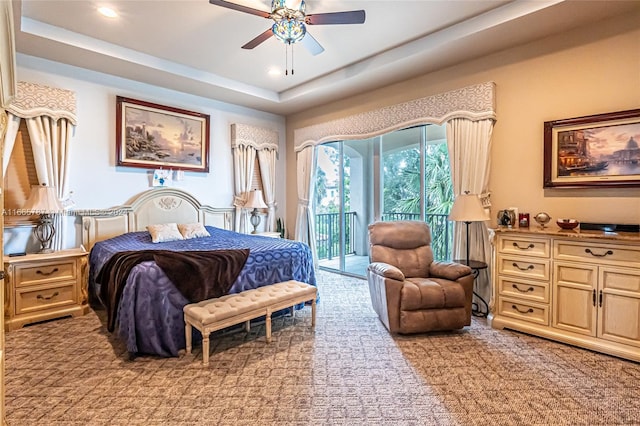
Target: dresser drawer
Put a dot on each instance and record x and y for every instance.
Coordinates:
(535, 291)
(526, 311)
(596, 252)
(38, 298)
(27, 274)
(524, 246)
(534, 268)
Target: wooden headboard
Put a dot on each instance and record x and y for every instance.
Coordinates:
(162, 205)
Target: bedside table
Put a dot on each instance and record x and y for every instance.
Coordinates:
(39, 287)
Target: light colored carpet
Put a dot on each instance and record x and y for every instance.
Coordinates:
(349, 371)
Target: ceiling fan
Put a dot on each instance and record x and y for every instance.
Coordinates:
(290, 21)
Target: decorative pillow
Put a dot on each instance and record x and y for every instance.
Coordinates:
(193, 230)
(164, 232)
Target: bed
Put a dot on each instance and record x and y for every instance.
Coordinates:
(149, 313)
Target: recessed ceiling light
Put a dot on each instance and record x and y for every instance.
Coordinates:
(274, 72)
(108, 12)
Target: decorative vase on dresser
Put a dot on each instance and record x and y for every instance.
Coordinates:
(576, 287)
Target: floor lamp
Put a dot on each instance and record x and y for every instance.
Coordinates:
(255, 202)
(43, 200)
(468, 208)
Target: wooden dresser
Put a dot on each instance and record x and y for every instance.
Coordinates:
(576, 287)
(39, 287)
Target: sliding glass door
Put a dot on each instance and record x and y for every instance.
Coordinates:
(402, 175)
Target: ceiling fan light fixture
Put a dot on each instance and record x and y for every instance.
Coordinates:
(289, 31)
(280, 10)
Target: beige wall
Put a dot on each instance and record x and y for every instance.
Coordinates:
(586, 71)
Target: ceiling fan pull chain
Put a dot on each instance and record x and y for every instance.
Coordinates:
(291, 59)
(286, 60)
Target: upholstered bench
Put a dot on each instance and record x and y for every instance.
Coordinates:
(214, 314)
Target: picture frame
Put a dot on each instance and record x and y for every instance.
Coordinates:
(154, 136)
(593, 151)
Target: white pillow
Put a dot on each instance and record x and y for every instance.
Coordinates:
(193, 230)
(164, 232)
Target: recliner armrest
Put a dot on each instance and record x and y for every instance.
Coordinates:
(387, 271)
(449, 270)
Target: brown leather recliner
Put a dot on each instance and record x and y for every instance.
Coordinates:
(411, 292)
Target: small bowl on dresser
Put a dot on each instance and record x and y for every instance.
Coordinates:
(567, 223)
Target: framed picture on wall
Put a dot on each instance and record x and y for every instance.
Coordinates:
(153, 136)
(594, 151)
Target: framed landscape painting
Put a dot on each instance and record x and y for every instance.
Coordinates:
(593, 151)
(153, 136)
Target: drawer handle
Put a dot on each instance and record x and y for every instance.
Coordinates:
(523, 291)
(530, 246)
(528, 311)
(47, 298)
(608, 252)
(521, 268)
(46, 274)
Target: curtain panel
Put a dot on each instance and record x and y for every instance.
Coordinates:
(469, 145)
(247, 142)
(50, 114)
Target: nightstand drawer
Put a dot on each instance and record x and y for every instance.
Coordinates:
(45, 272)
(44, 297)
(526, 311)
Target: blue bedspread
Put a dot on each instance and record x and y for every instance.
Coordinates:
(150, 318)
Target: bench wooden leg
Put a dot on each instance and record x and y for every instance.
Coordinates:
(205, 349)
(313, 313)
(187, 335)
(268, 326)
(247, 326)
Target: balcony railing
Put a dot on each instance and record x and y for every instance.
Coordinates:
(328, 233)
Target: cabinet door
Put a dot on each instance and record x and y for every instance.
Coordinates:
(619, 305)
(574, 298)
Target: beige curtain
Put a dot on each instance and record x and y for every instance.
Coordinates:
(469, 145)
(305, 222)
(50, 140)
(244, 157)
(13, 123)
(267, 160)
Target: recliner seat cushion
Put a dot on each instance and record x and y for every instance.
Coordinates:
(431, 293)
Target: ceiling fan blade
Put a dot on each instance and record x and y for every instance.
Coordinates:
(258, 40)
(240, 8)
(311, 44)
(352, 17)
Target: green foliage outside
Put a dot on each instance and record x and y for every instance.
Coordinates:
(401, 195)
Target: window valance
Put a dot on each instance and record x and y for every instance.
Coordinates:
(35, 100)
(474, 103)
(257, 137)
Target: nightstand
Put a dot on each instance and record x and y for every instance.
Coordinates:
(476, 266)
(40, 287)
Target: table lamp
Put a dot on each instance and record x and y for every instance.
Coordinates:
(255, 202)
(468, 208)
(43, 200)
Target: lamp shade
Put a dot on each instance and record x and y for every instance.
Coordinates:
(255, 200)
(43, 200)
(468, 208)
